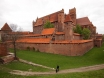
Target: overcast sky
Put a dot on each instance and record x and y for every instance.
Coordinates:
(23, 12)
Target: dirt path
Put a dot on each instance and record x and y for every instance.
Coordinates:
(81, 69)
(34, 64)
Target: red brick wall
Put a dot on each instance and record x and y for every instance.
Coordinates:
(3, 49)
(76, 37)
(37, 29)
(97, 43)
(62, 49)
(60, 37)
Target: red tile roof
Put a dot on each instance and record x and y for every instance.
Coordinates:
(48, 31)
(83, 21)
(39, 22)
(51, 17)
(67, 18)
(32, 35)
(54, 17)
(73, 41)
(34, 40)
(21, 33)
(76, 34)
(6, 27)
(58, 33)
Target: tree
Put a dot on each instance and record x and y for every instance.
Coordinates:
(78, 29)
(14, 36)
(86, 33)
(48, 25)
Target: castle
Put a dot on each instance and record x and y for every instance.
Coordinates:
(60, 39)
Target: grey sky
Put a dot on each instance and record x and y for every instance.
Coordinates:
(23, 12)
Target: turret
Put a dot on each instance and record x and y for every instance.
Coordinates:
(72, 13)
(68, 28)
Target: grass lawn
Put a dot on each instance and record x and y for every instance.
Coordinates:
(16, 65)
(93, 57)
(91, 74)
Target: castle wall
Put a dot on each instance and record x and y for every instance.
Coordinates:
(3, 49)
(76, 37)
(68, 49)
(97, 43)
(59, 37)
(37, 29)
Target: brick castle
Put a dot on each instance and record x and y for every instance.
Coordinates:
(60, 39)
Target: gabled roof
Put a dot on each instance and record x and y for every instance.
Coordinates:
(6, 27)
(48, 31)
(83, 21)
(67, 18)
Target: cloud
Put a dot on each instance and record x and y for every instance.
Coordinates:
(23, 12)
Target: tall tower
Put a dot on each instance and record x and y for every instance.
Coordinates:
(68, 29)
(61, 20)
(72, 13)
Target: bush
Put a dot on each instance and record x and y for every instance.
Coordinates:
(48, 25)
(28, 48)
(33, 49)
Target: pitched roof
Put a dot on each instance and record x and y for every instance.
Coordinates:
(34, 40)
(54, 17)
(51, 17)
(39, 22)
(6, 27)
(67, 18)
(48, 31)
(83, 21)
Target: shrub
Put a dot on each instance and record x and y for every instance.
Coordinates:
(28, 48)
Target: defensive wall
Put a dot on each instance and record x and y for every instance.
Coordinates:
(3, 49)
(62, 48)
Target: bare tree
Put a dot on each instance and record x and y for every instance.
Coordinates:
(14, 36)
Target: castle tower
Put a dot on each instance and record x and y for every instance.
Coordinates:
(33, 23)
(72, 13)
(68, 28)
(61, 20)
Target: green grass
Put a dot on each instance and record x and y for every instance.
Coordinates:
(93, 57)
(90, 74)
(16, 65)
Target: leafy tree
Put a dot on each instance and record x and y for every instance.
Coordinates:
(86, 33)
(48, 25)
(78, 29)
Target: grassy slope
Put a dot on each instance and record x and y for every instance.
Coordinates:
(94, 56)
